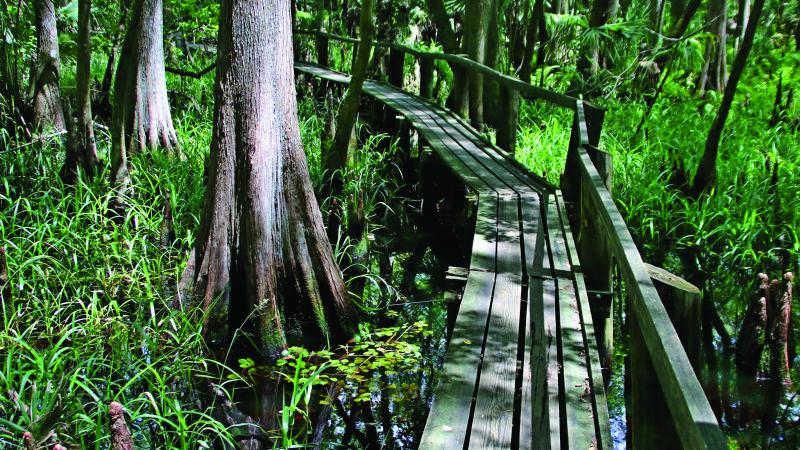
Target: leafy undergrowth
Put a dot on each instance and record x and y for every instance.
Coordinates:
(89, 321)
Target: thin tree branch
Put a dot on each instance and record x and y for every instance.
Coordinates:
(186, 73)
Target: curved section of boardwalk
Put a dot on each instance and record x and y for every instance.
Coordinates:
(521, 369)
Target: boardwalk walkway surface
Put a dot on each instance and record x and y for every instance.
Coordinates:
(522, 369)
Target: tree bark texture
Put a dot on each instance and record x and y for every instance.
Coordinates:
(742, 16)
(141, 117)
(82, 152)
(707, 169)
(262, 245)
(120, 435)
(47, 110)
(749, 347)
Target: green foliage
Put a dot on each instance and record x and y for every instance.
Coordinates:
(389, 350)
(89, 322)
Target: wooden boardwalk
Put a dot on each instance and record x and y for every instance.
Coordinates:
(522, 368)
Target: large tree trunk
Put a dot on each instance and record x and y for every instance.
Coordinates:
(82, 152)
(336, 155)
(262, 245)
(141, 117)
(47, 110)
(707, 169)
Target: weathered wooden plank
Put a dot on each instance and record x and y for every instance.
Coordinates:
(578, 405)
(494, 406)
(687, 401)
(480, 149)
(449, 416)
(648, 406)
(484, 241)
(602, 420)
(441, 142)
(577, 402)
(532, 368)
(471, 369)
(544, 360)
(594, 372)
(501, 157)
(571, 248)
(478, 162)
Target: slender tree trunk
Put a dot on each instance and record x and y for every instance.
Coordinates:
(262, 244)
(458, 100)
(321, 41)
(749, 346)
(476, 26)
(509, 99)
(742, 16)
(707, 169)
(602, 12)
(715, 70)
(141, 116)
(47, 109)
(336, 155)
(82, 152)
(103, 97)
(384, 30)
(657, 8)
(491, 88)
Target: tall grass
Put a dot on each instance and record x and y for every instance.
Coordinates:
(89, 322)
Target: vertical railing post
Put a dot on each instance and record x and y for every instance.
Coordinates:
(425, 77)
(397, 59)
(323, 48)
(650, 423)
(593, 247)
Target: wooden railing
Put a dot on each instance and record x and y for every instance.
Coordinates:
(604, 242)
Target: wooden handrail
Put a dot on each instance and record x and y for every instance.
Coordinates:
(693, 417)
(691, 413)
(526, 90)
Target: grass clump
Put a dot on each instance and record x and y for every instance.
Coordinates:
(89, 321)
